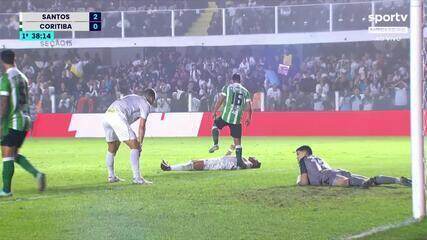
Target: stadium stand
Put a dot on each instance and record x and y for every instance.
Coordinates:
(142, 19)
(366, 78)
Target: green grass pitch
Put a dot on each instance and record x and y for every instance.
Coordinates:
(251, 204)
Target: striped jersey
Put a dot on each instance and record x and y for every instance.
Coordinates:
(14, 84)
(236, 98)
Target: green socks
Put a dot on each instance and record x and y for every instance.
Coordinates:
(25, 164)
(239, 152)
(8, 170)
(215, 135)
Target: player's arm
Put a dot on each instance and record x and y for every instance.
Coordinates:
(141, 130)
(4, 106)
(218, 104)
(4, 97)
(144, 111)
(249, 119)
(302, 179)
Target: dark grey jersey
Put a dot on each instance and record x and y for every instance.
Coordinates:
(317, 170)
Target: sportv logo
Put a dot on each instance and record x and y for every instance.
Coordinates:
(377, 18)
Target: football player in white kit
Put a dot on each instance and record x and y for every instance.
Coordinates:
(117, 120)
(220, 163)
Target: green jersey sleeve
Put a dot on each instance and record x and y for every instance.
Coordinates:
(4, 85)
(247, 97)
(224, 90)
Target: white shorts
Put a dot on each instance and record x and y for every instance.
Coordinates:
(116, 128)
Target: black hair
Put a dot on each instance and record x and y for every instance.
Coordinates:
(305, 148)
(257, 165)
(8, 56)
(149, 92)
(236, 77)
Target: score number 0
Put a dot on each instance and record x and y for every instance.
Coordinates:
(95, 21)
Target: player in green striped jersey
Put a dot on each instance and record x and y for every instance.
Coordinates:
(236, 99)
(14, 122)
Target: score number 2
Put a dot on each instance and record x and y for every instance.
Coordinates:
(95, 21)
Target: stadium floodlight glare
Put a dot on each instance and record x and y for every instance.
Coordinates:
(417, 139)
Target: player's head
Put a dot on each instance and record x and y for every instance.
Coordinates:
(236, 78)
(255, 162)
(7, 57)
(150, 95)
(303, 151)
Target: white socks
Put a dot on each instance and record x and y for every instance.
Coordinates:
(183, 167)
(134, 162)
(109, 160)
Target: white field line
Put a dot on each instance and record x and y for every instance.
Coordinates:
(381, 229)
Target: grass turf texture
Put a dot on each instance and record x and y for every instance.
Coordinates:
(251, 204)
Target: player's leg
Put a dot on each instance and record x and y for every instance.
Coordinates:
(25, 163)
(379, 180)
(355, 180)
(230, 150)
(218, 125)
(113, 145)
(125, 134)
(236, 133)
(135, 152)
(341, 181)
(188, 166)
(8, 151)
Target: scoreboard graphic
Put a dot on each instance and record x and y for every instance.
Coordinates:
(43, 25)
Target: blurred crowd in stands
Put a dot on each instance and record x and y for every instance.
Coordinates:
(350, 77)
(153, 18)
(355, 76)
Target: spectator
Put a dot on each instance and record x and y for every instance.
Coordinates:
(273, 98)
(368, 101)
(400, 95)
(318, 102)
(85, 104)
(384, 100)
(64, 105)
(345, 102)
(356, 100)
(46, 103)
(291, 103)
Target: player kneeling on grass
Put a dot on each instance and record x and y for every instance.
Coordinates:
(315, 171)
(15, 122)
(117, 120)
(222, 163)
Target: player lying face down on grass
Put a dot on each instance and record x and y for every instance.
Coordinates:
(220, 163)
(315, 171)
(117, 120)
(235, 99)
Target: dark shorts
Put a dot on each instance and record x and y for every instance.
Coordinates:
(14, 138)
(235, 129)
